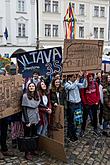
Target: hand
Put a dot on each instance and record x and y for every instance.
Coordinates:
(96, 103)
(81, 73)
(55, 104)
(28, 125)
(104, 90)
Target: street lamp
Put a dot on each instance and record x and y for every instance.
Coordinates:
(37, 13)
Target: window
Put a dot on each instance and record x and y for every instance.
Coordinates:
(101, 32)
(73, 6)
(102, 11)
(21, 5)
(47, 30)
(81, 9)
(96, 11)
(95, 32)
(21, 30)
(55, 6)
(81, 32)
(47, 6)
(55, 30)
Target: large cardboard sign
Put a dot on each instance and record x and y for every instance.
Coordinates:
(82, 55)
(56, 131)
(52, 147)
(45, 60)
(10, 94)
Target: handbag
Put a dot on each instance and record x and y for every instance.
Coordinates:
(27, 144)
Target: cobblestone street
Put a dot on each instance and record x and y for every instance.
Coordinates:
(89, 150)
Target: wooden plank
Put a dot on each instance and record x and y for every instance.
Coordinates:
(57, 127)
(52, 147)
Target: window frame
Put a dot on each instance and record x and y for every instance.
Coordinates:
(55, 30)
(55, 6)
(96, 12)
(102, 37)
(81, 10)
(81, 33)
(102, 15)
(97, 32)
(47, 5)
(47, 30)
(21, 29)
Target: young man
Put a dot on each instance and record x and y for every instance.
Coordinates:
(90, 99)
(73, 102)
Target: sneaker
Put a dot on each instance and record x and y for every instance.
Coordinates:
(1, 156)
(105, 134)
(7, 153)
(28, 156)
(97, 133)
(73, 138)
(82, 133)
(101, 127)
(35, 153)
(14, 143)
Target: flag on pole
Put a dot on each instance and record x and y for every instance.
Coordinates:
(70, 23)
(6, 33)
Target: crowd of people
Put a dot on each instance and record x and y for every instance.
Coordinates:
(82, 95)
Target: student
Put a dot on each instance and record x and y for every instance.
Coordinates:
(58, 97)
(30, 114)
(73, 103)
(4, 129)
(90, 99)
(44, 109)
(35, 78)
(106, 111)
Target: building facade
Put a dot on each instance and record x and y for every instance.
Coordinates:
(92, 20)
(18, 23)
(17, 26)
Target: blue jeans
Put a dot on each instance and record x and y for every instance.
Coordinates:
(71, 128)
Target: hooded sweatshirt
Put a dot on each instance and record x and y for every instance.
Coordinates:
(90, 95)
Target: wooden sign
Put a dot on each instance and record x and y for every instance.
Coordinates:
(10, 94)
(52, 147)
(82, 55)
(57, 129)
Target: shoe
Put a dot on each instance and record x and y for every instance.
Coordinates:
(28, 156)
(73, 138)
(1, 156)
(105, 134)
(14, 143)
(7, 153)
(34, 153)
(97, 133)
(82, 133)
(101, 127)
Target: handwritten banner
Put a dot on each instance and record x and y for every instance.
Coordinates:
(82, 55)
(45, 60)
(10, 94)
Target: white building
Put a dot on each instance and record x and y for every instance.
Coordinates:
(92, 20)
(18, 17)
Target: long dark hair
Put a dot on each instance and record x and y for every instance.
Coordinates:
(42, 91)
(30, 95)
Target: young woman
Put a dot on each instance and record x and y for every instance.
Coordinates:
(30, 115)
(44, 109)
(58, 97)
